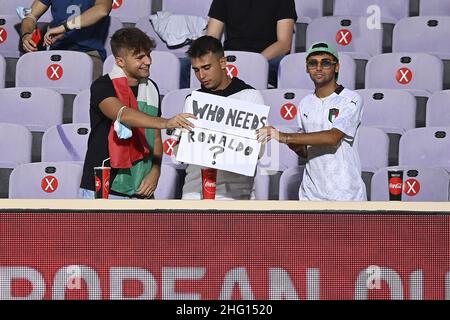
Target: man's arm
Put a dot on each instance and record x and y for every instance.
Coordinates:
(330, 137)
(215, 28)
(101, 9)
(133, 118)
(299, 141)
(285, 29)
(29, 24)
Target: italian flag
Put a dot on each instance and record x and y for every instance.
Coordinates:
(133, 157)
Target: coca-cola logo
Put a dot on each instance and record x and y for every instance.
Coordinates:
(210, 186)
(98, 184)
(395, 186)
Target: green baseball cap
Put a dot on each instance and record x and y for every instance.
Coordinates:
(322, 47)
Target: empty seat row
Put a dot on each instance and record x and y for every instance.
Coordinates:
(422, 147)
(350, 33)
(66, 142)
(61, 180)
(420, 73)
(420, 183)
(388, 11)
(394, 111)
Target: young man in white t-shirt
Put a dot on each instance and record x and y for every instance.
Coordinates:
(209, 64)
(329, 120)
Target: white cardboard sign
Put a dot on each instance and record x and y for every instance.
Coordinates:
(224, 135)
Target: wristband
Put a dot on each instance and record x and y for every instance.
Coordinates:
(23, 35)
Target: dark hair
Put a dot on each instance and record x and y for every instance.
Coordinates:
(132, 39)
(205, 45)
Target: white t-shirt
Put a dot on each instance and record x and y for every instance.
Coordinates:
(229, 185)
(332, 173)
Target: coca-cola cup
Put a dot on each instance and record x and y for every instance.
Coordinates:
(209, 183)
(102, 177)
(395, 180)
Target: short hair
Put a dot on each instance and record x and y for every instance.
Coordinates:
(132, 39)
(204, 45)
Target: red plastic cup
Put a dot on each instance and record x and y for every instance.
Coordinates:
(209, 177)
(102, 177)
(36, 36)
(395, 181)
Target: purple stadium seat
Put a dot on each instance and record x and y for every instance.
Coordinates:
(9, 37)
(169, 146)
(308, 10)
(67, 72)
(2, 72)
(420, 183)
(189, 8)
(262, 185)
(130, 11)
(173, 102)
(81, 107)
(277, 158)
(114, 25)
(284, 104)
(423, 34)
(373, 148)
(36, 108)
(251, 66)
(45, 180)
(420, 73)
(394, 111)
(428, 146)
(438, 109)
(348, 34)
(16, 148)
(434, 8)
(108, 64)
(169, 185)
(165, 70)
(67, 142)
(292, 72)
(9, 7)
(290, 182)
(390, 11)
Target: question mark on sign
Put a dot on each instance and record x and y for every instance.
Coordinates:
(219, 151)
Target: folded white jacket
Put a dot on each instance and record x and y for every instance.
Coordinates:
(177, 30)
